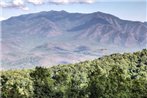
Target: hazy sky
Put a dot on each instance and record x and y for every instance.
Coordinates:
(125, 9)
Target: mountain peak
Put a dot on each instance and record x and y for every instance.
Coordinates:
(61, 11)
(98, 13)
(69, 36)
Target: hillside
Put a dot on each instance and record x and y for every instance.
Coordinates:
(33, 39)
(114, 76)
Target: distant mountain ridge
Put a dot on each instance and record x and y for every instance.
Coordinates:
(22, 35)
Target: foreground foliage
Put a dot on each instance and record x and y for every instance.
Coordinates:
(114, 76)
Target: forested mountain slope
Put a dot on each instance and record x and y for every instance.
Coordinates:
(114, 76)
(33, 39)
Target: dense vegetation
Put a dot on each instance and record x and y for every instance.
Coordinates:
(114, 76)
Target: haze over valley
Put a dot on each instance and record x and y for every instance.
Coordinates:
(58, 37)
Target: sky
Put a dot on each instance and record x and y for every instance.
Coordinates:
(135, 10)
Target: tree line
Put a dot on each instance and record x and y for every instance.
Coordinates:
(113, 76)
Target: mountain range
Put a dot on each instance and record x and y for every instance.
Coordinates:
(59, 37)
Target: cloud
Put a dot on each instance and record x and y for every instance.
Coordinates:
(60, 1)
(2, 18)
(14, 4)
(70, 1)
(36, 2)
(23, 4)
(18, 2)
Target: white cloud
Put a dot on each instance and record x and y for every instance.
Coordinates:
(70, 1)
(4, 4)
(2, 18)
(18, 2)
(22, 4)
(14, 4)
(25, 8)
(36, 1)
(59, 1)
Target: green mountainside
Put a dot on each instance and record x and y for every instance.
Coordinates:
(114, 76)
